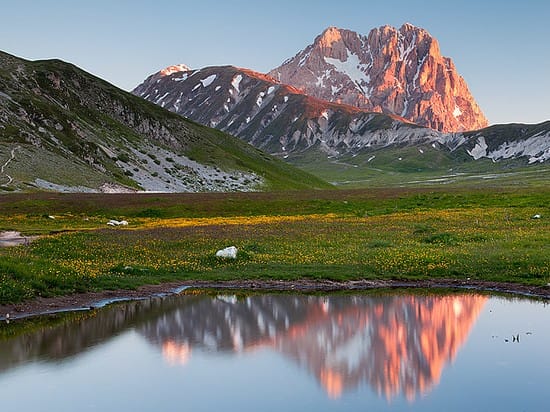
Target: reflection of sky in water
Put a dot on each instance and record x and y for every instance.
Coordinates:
(128, 372)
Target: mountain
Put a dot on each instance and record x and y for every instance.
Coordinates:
(63, 129)
(276, 118)
(283, 121)
(394, 71)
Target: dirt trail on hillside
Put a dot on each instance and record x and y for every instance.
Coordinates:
(3, 167)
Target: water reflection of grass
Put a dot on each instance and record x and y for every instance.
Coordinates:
(19, 327)
(408, 235)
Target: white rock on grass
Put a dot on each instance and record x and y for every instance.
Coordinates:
(227, 253)
(537, 216)
(113, 222)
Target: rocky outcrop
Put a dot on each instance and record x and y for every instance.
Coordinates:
(395, 71)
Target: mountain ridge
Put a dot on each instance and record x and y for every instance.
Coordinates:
(343, 144)
(282, 120)
(272, 116)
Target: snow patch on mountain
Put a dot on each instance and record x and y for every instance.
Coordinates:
(351, 67)
(160, 99)
(209, 80)
(457, 112)
(260, 99)
(536, 148)
(303, 59)
(480, 149)
(236, 82)
(180, 79)
(404, 53)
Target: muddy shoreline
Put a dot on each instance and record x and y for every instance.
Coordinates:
(91, 300)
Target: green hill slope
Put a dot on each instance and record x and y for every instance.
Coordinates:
(64, 129)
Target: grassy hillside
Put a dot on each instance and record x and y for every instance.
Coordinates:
(64, 129)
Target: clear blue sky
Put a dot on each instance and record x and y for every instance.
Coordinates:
(501, 48)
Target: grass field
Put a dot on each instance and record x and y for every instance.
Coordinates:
(338, 234)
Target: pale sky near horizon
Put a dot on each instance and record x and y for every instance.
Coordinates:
(501, 48)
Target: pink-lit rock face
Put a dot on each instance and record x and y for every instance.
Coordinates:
(394, 71)
(398, 346)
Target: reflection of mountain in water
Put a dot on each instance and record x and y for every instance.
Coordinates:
(397, 344)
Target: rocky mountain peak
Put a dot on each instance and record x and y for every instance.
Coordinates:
(410, 28)
(335, 42)
(393, 71)
(330, 36)
(169, 71)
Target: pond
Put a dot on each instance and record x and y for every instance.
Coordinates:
(396, 351)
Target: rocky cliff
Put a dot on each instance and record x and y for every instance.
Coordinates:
(395, 71)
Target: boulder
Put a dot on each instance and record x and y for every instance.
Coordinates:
(113, 222)
(227, 253)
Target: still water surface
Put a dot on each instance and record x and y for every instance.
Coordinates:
(394, 351)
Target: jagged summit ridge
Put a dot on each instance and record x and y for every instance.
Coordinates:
(274, 117)
(394, 71)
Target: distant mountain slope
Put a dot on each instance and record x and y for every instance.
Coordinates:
(66, 130)
(395, 71)
(510, 141)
